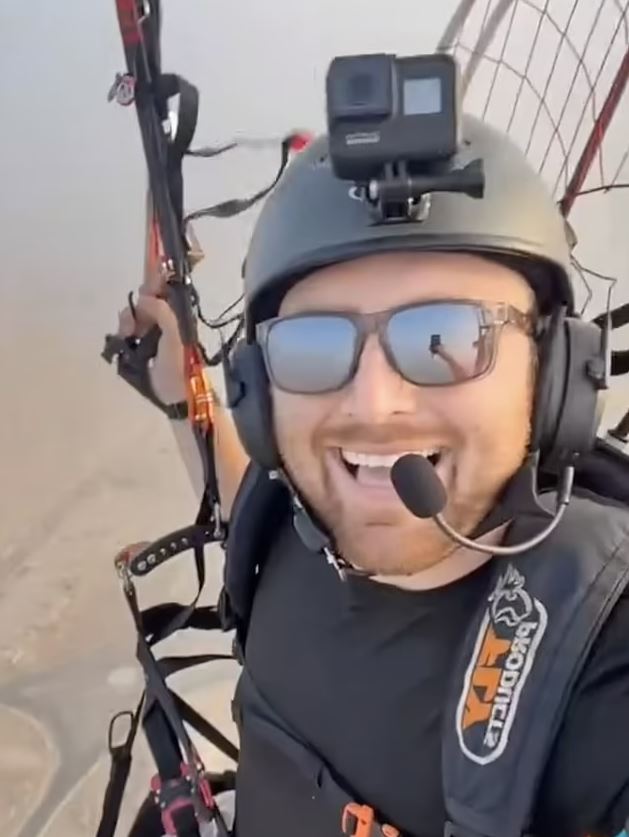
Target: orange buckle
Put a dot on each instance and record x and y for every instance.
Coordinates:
(359, 821)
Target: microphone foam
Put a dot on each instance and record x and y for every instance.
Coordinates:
(418, 486)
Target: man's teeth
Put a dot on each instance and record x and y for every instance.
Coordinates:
(373, 460)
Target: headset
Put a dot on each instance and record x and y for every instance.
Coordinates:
(574, 369)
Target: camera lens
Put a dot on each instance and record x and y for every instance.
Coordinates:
(360, 89)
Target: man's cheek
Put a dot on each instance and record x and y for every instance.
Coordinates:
(282, 412)
(293, 429)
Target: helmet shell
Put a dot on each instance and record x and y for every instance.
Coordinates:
(313, 219)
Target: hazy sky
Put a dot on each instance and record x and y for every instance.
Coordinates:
(86, 466)
(72, 195)
(72, 186)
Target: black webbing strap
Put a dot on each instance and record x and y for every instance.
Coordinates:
(181, 614)
(180, 789)
(173, 665)
(206, 729)
(201, 618)
(170, 85)
(121, 757)
(234, 206)
(619, 317)
(620, 362)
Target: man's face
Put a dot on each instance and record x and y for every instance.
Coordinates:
(481, 427)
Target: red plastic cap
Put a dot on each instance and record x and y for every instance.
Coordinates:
(300, 140)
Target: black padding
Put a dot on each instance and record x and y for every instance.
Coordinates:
(550, 385)
(580, 411)
(567, 404)
(249, 399)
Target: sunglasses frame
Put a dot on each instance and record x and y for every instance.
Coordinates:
(497, 316)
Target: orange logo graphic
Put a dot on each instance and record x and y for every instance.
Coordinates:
(509, 636)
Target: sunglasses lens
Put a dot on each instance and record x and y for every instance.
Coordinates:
(441, 343)
(311, 353)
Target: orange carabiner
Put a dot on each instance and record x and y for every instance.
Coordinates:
(200, 395)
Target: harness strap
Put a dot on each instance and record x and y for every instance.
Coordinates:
(173, 665)
(121, 757)
(201, 619)
(181, 788)
(206, 729)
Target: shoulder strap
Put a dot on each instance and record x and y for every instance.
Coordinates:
(259, 509)
(519, 664)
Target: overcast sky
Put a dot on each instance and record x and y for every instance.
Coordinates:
(72, 181)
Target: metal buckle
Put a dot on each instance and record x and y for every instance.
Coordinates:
(203, 784)
(122, 90)
(171, 796)
(176, 794)
(121, 564)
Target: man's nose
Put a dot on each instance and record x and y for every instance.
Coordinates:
(377, 391)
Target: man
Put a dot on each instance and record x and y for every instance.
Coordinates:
(357, 670)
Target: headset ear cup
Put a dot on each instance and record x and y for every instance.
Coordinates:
(249, 399)
(581, 411)
(550, 386)
(567, 405)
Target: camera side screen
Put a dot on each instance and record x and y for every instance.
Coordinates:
(422, 96)
(385, 110)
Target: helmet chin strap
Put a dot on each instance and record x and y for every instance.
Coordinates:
(313, 535)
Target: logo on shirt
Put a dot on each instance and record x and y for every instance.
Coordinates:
(505, 649)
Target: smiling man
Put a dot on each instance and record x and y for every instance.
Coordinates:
(385, 664)
(381, 401)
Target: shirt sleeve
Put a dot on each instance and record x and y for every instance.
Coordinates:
(585, 788)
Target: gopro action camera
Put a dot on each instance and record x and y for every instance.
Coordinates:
(394, 128)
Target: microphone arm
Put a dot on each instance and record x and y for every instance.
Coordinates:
(563, 498)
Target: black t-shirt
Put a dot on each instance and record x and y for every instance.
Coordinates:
(360, 671)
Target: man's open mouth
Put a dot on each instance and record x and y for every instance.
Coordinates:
(372, 467)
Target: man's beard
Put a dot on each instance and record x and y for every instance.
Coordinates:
(403, 546)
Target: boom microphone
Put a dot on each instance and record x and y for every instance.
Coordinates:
(422, 492)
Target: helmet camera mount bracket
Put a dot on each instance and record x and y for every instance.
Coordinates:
(394, 132)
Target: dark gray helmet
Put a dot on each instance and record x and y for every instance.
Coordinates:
(313, 219)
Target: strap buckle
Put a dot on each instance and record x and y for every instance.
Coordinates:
(174, 795)
(203, 784)
(360, 821)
